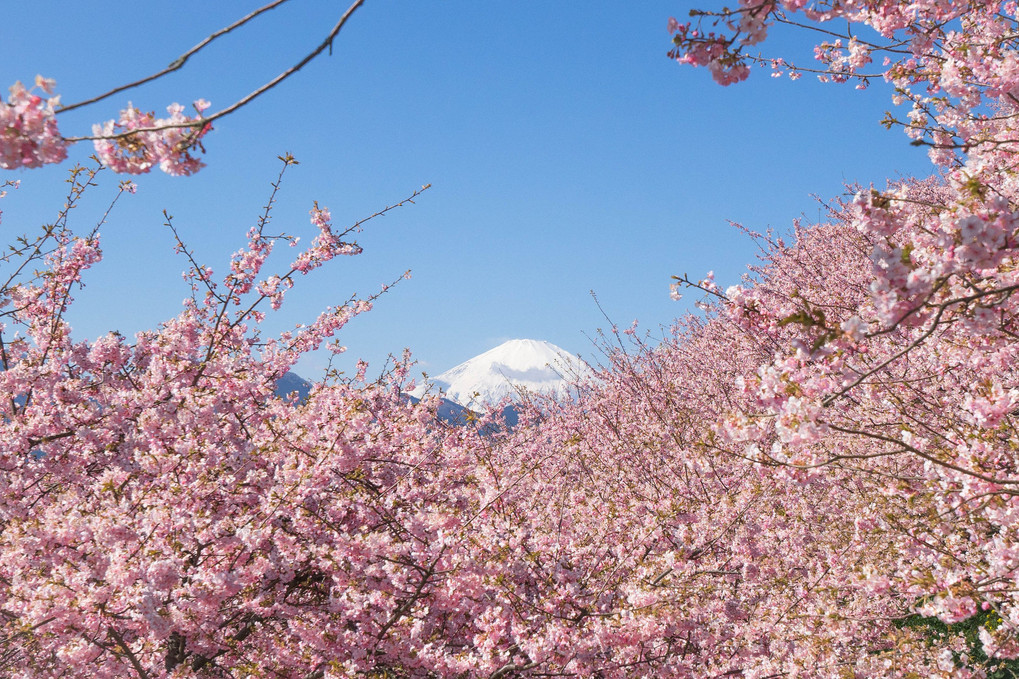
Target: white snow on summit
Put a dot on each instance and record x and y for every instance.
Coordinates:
(518, 365)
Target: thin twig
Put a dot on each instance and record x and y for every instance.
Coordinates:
(178, 63)
(200, 123)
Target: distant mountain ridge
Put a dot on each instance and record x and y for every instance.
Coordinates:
(291, 382)
(514, 367)
(507, 371)
(448, 411)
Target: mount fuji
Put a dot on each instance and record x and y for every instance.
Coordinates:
(514, 367)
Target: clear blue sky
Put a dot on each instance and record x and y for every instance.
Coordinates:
(566, 154)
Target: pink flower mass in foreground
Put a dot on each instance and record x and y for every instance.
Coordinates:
(133, 144)
(137, 142)
(28, 127)
(817, 476)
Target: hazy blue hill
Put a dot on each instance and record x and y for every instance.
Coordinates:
(448, 411)
(291, 382)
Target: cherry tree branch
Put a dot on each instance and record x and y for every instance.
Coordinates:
(926, 456)
(201, 122)
(128, 653)
(935, 323)
(177, 63)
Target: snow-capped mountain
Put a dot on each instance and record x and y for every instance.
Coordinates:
(511, 368)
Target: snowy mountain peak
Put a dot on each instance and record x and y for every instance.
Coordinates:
(514, 366)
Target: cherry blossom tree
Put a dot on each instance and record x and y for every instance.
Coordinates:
(164, 514)
(815, 477)
(141, 478)
(893, 352)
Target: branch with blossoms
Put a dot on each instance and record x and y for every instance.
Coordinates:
(706, 285)
(45, 249)
(246, 266)
(948, 63)
(136, 141)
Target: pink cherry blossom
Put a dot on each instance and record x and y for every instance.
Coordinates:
(28, 128)
(168, 143)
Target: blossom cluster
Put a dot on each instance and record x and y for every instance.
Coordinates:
(136, 142)
(28, 128)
